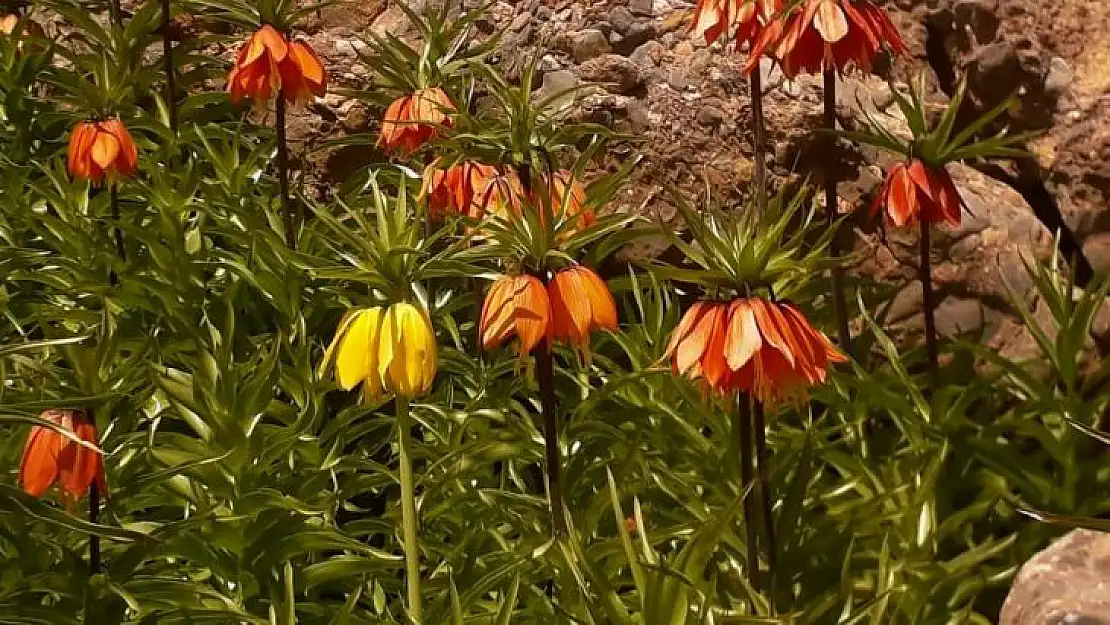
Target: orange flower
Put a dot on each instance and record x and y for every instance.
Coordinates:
(257, 71)
(516, 305)
(713, 18)
(413, 120)
(268, 63)
(580, 304)
(765, 348)
(500, 194)
(455, 190)
(828, 34)
(568, 198)
(102, 149)
(50, 457)
(917, 192)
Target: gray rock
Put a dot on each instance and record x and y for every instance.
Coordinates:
(906, 303)
(556, 82)
(520, 21)
(616, 73)
(964, 248)
(677, 79)
(643, 8)
(588, 44)
(710, 116)
(955, 316)
(1067, 583)
(1058, 78)
(648, 54)
(622, 19)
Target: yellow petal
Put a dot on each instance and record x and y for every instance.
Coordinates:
(329, 353)
(352, 360)
(387, 347)
(372, 383)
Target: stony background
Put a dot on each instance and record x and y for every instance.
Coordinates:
(690, 103)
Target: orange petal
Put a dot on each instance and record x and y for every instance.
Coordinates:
(603, 308)
(105, 149)
(38, 469)
(532, 312)
(743, 339)
(901, 199)
(830, 21)
(570, 306)
(685, 326)
(691, 350)
(714, 366)
(770, 330)
(496, 321)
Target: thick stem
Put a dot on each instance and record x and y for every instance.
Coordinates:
(840, 305)
(765, 491)
(929, 305)
(94, 540)
(170, 69)
(545, 377)
(759, 142)
(114, 13)
(747, 475)
(117, 231)
(408, 510)
(288, 212)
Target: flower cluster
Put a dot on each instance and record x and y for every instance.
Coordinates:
(102, 149)
(573, 304)
(269, 63)
(818, 35)
(51, 457)
(752, 345)
(385, 349)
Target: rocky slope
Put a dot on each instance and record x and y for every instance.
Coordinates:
(690, 104)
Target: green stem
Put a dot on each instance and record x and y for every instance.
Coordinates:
(167, 54)
(840, 305)
(408, 510)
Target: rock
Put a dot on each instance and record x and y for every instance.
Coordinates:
(643, 8)
(964, 248)
(906, 303)
(980, 16)
(648, 55)
(554, 83)
(955, 316)
(356, 118)
(622, 19)
(588, 44)
(710, 116)
(617, 73)
(1067, 583)
(677, 79)
(636, 36)
(1058, 78)
(520, 22)
(1097, 249)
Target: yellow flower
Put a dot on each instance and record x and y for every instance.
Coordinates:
(407, 351)
(385, 349)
